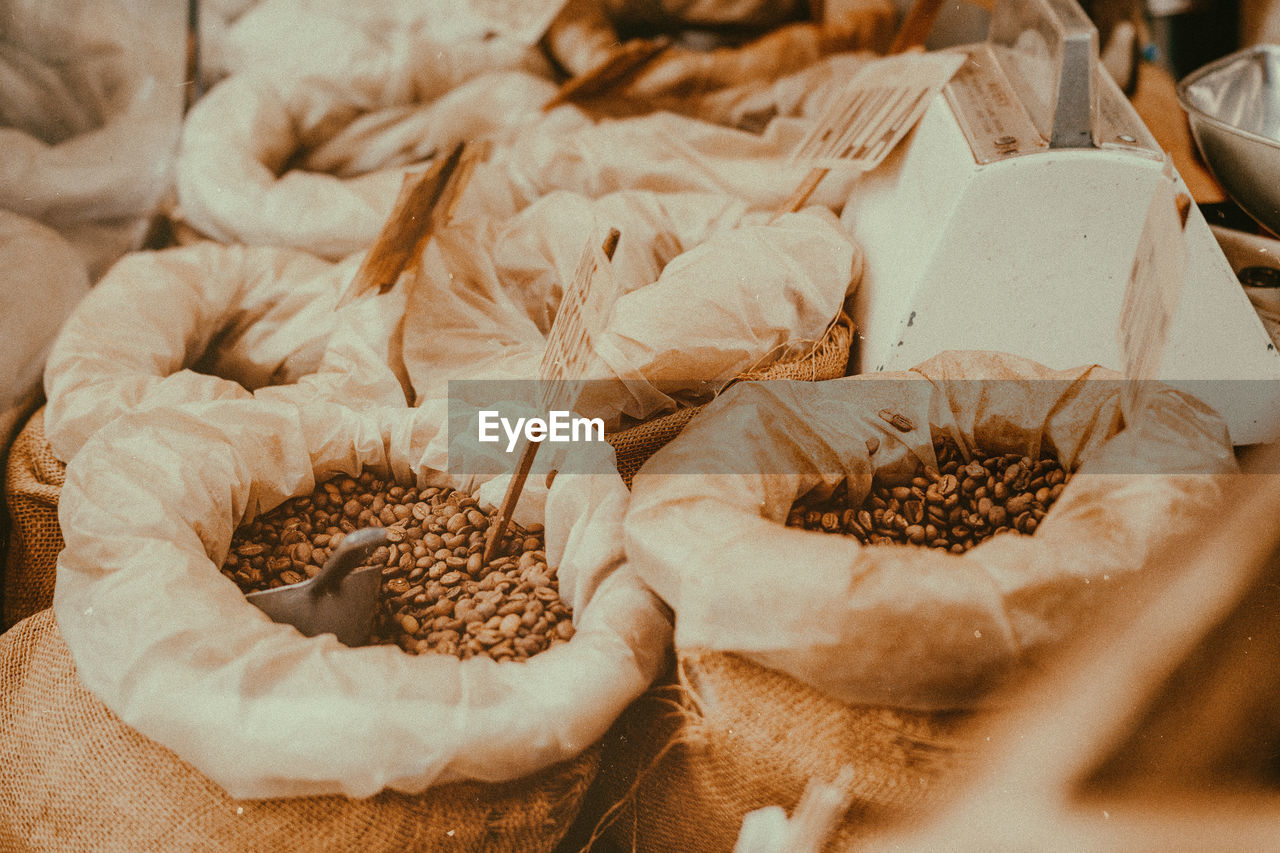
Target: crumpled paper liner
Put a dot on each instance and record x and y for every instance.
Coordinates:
(191, 324)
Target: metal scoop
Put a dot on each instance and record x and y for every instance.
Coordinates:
(336, 600)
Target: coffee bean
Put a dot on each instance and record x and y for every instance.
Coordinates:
(436, 536)
(952, 508)
(1019, 504)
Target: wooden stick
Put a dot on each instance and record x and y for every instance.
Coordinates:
(498, 524)
(622, 64)
(528, 451)
(610, 244)
(801, 193)
(425, 204)
(194, 81)
(918, 24)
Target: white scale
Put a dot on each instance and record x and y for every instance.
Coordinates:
(1010, 219)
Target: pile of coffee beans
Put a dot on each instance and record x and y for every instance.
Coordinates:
(953, 507)
(438, 595)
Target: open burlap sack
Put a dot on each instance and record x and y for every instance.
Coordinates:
(724, 736)
(73, 776)
(751, 47)
(32, 485)
(170, 644)
(905, 626)
(194, 323)
(316, 162)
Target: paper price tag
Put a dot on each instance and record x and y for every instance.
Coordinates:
(570, 352)
(1153, 291)
(881, 104)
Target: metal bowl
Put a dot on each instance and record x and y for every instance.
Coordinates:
(1233, 105)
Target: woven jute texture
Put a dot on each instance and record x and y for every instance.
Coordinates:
(73, 777)
(33, 482)
(724, 736)
(828, 358)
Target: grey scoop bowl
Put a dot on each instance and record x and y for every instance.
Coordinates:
(337, 600)
(1233, 108)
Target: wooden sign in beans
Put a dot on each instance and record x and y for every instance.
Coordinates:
(953, 507)
(438, 594)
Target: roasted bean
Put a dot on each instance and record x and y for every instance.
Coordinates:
(951, 508)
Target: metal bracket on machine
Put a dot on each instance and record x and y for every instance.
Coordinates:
(1049, 50)
(1035, 84)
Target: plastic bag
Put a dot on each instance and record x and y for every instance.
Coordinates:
(90, 112)
(173, 648)
(194, 323)
(41, 281)
(317, 162)
(668, 152)
(895, 625)
(296, 38)
(705, 290)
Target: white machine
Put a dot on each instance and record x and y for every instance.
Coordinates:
(1010, 219)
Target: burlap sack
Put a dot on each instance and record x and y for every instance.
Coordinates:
(726, 736)
(828, 359)
(149, 509)
(74, 777)
(32, 484)
(915, 628)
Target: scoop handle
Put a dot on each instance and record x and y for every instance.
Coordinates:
(353, 550)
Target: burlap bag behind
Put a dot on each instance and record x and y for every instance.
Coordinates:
(827, 359)
(724, 736)
(74, 777)
(33, 482)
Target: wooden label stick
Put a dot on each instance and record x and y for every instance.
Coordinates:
(916, 26)
(425, 204)
(499, 523)
(564, 366)
(619, 67)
